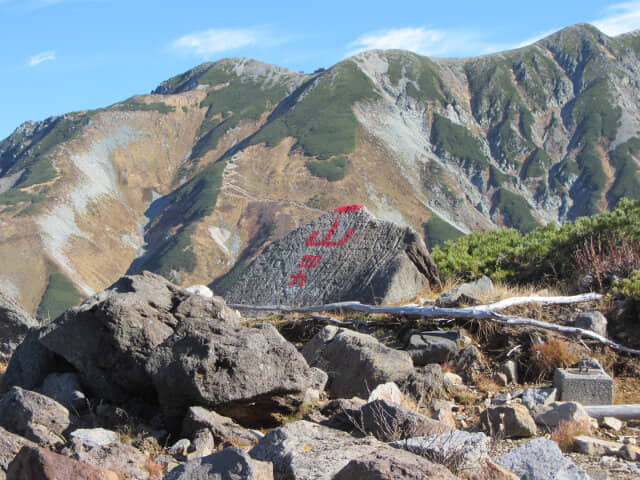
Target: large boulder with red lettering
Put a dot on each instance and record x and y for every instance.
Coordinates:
(347, 254)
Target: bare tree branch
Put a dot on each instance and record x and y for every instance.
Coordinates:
(480, 312)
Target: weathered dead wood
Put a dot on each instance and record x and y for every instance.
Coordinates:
(479, 312)
(622, 412)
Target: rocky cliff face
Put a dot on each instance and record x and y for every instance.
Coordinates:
(192, 180)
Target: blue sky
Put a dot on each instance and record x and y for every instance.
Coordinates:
(64, 55)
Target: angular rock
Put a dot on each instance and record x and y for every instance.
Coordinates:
(541, 459)
(246, 373)
(562, 412)
(388, 422)
(307, 451)
(10, 445)
(225, 431)
(500, 379)
(15, 323)
(34, 416)
(533, 397)
(598, 447)
(611, 423)
(510, 369)
(470, 363)
(117, 457)
(225, 464)
(389, 392)
(402, 465)
(95, 437)
(356, 363)
(592, 320)
(425, 348)
(344, 255)
(443, 412)
(471, 293)
(201, 290)
(65, 388)
(423, 383)
(457, 449)
(508, 421)
(34, 463)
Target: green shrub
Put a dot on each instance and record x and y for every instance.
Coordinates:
(136, 105)
(333, 170)
(515, 210)
(175, 254)
(458, 141)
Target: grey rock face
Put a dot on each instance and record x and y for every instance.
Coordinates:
(561, 412)
(509, 421)
(64, 388)
(307, 451)
(243, 372)
(470, 293)
(15, 322)
(355, 362)
(402, 465)
(534, 397)
(344, 255)
(425, 348)
(469, 363)
(592, 320)
(10, 445)
(541, 459)
(225, 464)
(456, 447)
(34, 416)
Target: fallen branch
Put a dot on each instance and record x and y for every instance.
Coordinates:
(622, 412)
(480, 312)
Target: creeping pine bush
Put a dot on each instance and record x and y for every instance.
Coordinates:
(545, 253)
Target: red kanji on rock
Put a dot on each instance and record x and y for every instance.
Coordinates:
(310, 261)
(299, 276)
(325, 242)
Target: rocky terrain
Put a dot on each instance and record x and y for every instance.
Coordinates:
(147, 380)
(194, 179)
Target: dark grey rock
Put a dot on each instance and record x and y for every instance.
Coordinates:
(245, 373)
(365, 259)
(355, 362)
(592, 320)
(423, 384)
(225, 431)
(534, 397)
(471, 293)
(470, 363)
(425, 348)
(225, 464)
(541, 459)
(65, 388)
(31, 363)
(34, 416)
(510, 369)
(307, 451)
(455, 447)
(402, 465)
(15, 323)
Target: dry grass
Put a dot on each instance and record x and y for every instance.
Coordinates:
(155, 469)
(552, 354)
(486, 384)
(567, 431)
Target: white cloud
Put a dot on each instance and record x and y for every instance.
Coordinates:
(38, 58)
(620, 18)
(424, 41)
(214, 41)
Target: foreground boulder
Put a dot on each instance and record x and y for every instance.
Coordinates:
(306, 451)
(10, 445)
(15, 322)
(149, 338)
(356, 363)
(33, 463)
(347, 254)
(541, 458)
(34, 416)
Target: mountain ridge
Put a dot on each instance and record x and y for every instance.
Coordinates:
(193, 179)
